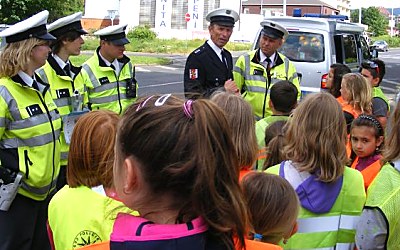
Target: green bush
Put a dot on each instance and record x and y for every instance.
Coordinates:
(141, 33)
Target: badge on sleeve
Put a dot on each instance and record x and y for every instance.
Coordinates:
(193, 74)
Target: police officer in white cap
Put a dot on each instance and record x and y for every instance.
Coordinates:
(266, 66)
(109, 75)
(29, 136)
(60, 73)
(209, 67)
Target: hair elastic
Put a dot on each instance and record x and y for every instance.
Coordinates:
(187, 108)
(258, 237)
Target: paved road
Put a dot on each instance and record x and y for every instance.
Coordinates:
(169, 79)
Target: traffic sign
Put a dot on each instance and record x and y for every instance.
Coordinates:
(187, 17)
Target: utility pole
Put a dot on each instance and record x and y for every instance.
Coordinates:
(261, 7)
(359, 15)
(284, 8)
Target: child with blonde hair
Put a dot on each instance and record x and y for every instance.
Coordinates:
(273, 208)
(357, 97)
(331, 195)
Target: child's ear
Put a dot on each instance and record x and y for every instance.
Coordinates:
(295, 229)
(270, 104)
(379, 141)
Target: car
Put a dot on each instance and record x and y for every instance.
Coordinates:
(316, 43)
(380, 45)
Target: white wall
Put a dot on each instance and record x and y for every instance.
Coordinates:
(129, 12)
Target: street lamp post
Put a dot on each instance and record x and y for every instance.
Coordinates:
(284, 7)
(261, 8)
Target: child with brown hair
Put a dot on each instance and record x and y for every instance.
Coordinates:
(366, 138)
(379, 225)
(274, 141)
(273, 208)
(176, 164)
(83, 212)
(331, 195)
(241, 120)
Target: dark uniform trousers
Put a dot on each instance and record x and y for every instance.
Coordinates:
(205, 73)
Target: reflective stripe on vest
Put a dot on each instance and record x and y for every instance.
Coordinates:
(91, 75)
(29, 142)
(38, 191)
(327, 224)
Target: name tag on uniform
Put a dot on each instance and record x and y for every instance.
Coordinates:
(258, 72)
(104, 80)
(34, 110)
(193, 74)
(62, 93)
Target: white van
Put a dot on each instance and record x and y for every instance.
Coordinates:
(314, 44)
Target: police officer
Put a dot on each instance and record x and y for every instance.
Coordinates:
(209, 67)
(256, 71)
(60, 73)
(30, 127)
(109, 75)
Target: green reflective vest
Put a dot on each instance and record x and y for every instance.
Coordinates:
(251, 78)
(335, 229)
(80, 216)
(377, 92)
(29, 130)
(105, 89)
(62, 89)
(384, 194)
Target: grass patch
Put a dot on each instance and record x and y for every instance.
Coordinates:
(168, 46)
(136, 60)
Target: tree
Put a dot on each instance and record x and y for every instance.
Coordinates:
(12, 11)
(377, 23)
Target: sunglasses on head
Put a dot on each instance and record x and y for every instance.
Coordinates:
(374, 65)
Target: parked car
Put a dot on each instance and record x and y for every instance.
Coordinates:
(380, 45)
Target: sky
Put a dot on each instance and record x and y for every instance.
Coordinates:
(368, 3)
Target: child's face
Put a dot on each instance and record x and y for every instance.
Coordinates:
(329, 81)
(345, 92)
(364, 141)
(370, 78)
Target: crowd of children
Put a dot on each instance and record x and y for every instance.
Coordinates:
(174, 173)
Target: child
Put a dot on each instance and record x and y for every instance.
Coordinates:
(357, 96)
(273, 207)
(79, 215)
(283, 99)
(274, 141)
(379, 225)
(374, 71)
(177, 166)
(331, 195)
(366, 137)
(336, 73)
(241, 120)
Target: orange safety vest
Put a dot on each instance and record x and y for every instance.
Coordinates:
(350, 109)
(243, 173)
(369, 173)
(258, 245)
(105, 245)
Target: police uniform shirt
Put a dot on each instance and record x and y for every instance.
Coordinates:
(28, 80)
(216, 49)
(114, 64)
(263, 57)
(62, 64)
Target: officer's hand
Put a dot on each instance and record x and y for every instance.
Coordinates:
(230, 86)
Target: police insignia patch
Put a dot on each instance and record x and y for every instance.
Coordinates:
(84, 238)
(193, 74)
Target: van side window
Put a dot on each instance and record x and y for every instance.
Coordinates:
(304, 47)
(339, 49)
(364, 49)
(350, 49)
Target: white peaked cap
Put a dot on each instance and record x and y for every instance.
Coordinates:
(34, 26)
